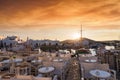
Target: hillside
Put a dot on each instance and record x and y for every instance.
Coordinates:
(77, 40)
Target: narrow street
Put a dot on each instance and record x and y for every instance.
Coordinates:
(74, 70)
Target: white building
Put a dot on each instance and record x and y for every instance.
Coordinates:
(10, 40)
(34, 43)
(12, 43)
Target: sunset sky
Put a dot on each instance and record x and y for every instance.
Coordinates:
(60, 19)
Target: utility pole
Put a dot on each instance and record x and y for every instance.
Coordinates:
(81, 32)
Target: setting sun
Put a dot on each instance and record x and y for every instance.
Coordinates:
(76, 36)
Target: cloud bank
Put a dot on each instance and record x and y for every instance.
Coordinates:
(18, 13)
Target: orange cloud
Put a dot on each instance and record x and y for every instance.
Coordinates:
(93, 14)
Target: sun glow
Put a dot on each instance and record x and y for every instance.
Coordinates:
(76, 36)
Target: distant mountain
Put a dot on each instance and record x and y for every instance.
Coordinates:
(1, 37)
(69, 41)
(110, 41)
(77, 40)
